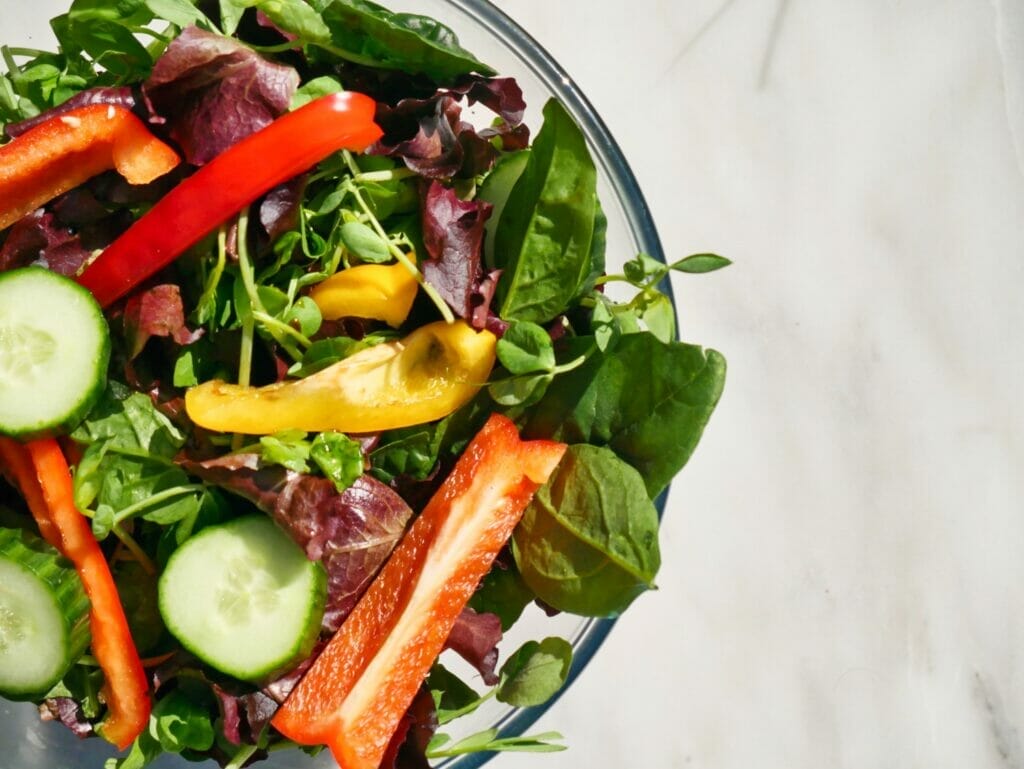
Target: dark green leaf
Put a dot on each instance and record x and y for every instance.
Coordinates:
(127, 420)
(647, 400)
(138, 591)
(179, 723)
(370, 34)
(526, 348)
(326, 352)
(588, 541)
(544, 240)
(410, 451)
(296, 17)
(503, 593)
(520, 390)
(452, 696)
(535, 672)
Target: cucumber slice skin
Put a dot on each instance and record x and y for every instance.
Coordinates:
(243, 598)
(28, 563)
(37, 304)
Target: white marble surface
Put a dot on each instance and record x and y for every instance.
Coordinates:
(843, 583)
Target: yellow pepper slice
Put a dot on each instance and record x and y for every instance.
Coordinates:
(425, 376)
(378, 291)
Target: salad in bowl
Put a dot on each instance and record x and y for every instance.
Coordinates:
(315, 377)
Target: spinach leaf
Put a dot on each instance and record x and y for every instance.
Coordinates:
(369, 34)
(588, 542)
(127, 420)
(503, 593)
(535, 672)
(410, 451)
(647, 400)
(452, 696)
(545, 239)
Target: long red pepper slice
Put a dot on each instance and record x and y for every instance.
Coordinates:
(356, 692)
(66, 150)
(14, 459)
(232, 180)
(126, 691)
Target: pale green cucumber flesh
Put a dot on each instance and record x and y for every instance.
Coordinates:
(244, 598)
(44, 616)
(54, 351)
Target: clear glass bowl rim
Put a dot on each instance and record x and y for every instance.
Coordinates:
(644, 234)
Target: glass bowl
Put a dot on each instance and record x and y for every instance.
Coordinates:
(496, 39)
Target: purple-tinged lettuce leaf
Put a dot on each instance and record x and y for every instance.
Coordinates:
(279, 209)
(501, 95)
(351, 533)
(408, 746)
(475, 637)
(68, 712)
(424, 133)
(156, 311)
(431, 138)
(39, 238)
(244, 716)
(119, 96)
(214, 91)
(453, 232)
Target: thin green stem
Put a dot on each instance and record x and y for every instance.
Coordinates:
(404, 259)
(162, 496)
(390, 175)
(244, 754)
(270, 322)
(133, 547)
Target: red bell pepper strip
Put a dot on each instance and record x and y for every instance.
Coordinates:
(357, 691)
(126, 690)
(17, 465)
(232, 180)
(63, 152)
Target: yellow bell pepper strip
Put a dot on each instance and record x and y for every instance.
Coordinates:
(378, 291)
(63, 152)
(357, 690)
(45, 481)
(425, 376)
(227, 184)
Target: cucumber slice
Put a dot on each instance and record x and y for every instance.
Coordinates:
(244, 598)
(54, 350)
(44, 616)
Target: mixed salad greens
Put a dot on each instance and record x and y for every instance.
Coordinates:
(290, 393)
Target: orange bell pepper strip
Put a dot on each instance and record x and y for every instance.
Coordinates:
(17, 465)
(356, 692)
(45, 481)
(65, 151)
(235, 178)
